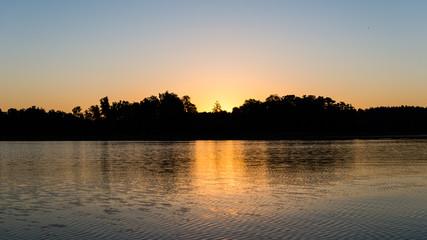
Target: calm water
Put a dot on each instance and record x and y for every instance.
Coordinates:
(354, 189)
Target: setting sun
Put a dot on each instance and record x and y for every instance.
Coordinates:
(60, 55)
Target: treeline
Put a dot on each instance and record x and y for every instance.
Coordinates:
(169, 115)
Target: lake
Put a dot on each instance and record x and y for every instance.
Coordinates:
(357, 189)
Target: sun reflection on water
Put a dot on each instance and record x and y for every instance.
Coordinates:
(220, 168)
(213, 189)
(224, 183)
(216, 167)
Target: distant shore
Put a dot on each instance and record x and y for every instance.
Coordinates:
(170, 117)
(184, 137)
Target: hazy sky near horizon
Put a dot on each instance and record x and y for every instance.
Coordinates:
(60, 54)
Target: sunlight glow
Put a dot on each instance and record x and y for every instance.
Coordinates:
(58, 55)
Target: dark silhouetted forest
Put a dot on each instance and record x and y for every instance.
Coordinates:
(169, 116)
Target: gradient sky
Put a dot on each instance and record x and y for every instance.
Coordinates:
(60, 54)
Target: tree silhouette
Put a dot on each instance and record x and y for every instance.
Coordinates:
(77, 112)
(169, 115)
(105, 107)
(150, 107)
(188, 106)
(217, 107)
(93, 113)
(170, 105)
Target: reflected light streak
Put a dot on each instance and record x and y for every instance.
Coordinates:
(217, 171)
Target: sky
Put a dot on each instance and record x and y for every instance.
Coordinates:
(62, 54)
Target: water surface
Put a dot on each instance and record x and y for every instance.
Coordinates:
(214, 189)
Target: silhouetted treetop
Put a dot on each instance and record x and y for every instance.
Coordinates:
(217, 107)
(188, 106)
(93, 113)
(170, 105)
(167, 113)
(77, 112)
(105, 107)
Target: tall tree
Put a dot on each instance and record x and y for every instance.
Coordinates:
(77, 112)
(170, 105)
(188, 106)
(105, 107)
(216, 107)
(93, 113)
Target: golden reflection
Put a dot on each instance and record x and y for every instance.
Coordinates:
(226, 181)
(219, 168)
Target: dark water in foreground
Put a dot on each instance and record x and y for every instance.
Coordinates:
(354, 189)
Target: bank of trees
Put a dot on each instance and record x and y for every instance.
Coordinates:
(169, 114)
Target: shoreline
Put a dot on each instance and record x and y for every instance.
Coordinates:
(215, 137)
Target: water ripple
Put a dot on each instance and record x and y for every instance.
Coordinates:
(361, 189)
